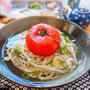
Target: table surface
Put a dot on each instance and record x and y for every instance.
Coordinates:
(88, 29)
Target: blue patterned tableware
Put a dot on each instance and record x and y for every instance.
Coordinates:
(80, 16)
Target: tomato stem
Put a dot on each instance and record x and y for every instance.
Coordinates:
(43, 32)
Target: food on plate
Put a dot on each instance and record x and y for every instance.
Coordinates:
(42, 52)
(51, 5)
(35, 5)
(4, 19)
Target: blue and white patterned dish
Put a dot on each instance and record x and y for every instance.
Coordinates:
(80, 16)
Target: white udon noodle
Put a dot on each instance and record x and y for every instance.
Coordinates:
(34, 62)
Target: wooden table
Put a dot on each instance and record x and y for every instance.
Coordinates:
(88, 29)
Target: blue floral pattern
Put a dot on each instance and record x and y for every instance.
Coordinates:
(80, 16)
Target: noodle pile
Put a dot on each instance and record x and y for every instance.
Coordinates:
(43, 68)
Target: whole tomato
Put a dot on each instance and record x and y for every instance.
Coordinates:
(43, 39)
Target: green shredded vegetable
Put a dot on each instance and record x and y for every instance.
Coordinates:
(26, 49)
(64, 64)
(67, 39)
(16, 51)
(35, 5)
(56, 62)
(64, 50)
(58, 41)
(60, 51)
(18, 63)
(63, 61)
(6, 59)
(64, 35)
(25, 59)
(50, 64)
(36, 72)
(64, 47)
(18, 45)
(39, 64)
(27, 30)
(24, 75)
(76, 65)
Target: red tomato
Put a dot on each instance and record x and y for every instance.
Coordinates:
(43, 39)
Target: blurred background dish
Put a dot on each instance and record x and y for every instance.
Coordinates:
(33, 4)
(54, 4)
(4, 19)
(57, 8)
(80, 16)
